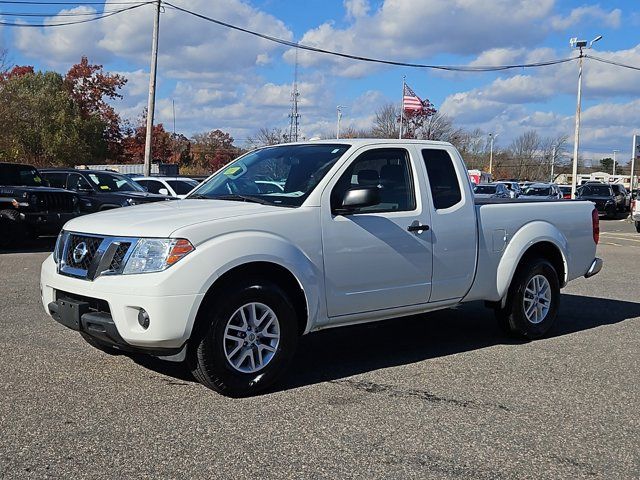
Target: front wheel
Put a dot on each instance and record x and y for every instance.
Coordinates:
(638, 227)
(251, 336)
(532, 302)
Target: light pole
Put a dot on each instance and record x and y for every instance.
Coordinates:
(339, 112)
(614, 161)
(580, 44)
(491, 139)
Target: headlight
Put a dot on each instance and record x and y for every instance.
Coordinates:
(57, 250)
(156, 254)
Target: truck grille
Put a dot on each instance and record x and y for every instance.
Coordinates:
(56, 202)
(78, 244)
(117, 262)
(88, 256)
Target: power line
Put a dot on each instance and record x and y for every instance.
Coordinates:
(28, 2)
(611, 62)
(453, 68)
(99, 16)
(59, 14)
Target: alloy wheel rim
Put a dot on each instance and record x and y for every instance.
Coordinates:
(537, 299)
(251, 337)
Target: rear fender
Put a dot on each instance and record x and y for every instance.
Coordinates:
(529, 235)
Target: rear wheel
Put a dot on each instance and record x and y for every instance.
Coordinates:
(249, 338)
(532, 302)
(638, 227)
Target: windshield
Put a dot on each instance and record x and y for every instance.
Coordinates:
(182, 187)
(19, 175)
(111, 182)
(596, 190)
(297, 169)
(538, 191)
(484, 189)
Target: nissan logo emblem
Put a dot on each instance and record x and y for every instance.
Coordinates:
(80, 252)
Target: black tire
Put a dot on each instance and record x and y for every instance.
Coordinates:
(206, 357)
(638, 227)
(100, 346)
(611, 213)
(512, 318)
(15, 231)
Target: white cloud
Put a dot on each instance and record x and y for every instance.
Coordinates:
(356, 8)
(588, 14)
(423, 28)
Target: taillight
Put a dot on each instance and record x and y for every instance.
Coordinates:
(595, 225)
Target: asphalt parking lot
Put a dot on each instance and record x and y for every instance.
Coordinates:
(443, 395)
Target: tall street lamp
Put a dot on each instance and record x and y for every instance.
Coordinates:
(579, 44)
(491, 139)
(339, 112)
(614, 161)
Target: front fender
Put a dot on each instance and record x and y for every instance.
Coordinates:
(520, 242)
(223, 253)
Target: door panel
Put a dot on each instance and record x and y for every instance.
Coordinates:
(372, 262)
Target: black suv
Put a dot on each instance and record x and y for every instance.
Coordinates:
(29, 208)
(602, 195)
(99, 189)
(623, 198)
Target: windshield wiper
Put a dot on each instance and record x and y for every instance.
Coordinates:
(234, 197)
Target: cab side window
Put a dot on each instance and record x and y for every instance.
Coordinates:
(445, 188)
(388, 170)
(77, 182)
(152, 186)
(56, 180)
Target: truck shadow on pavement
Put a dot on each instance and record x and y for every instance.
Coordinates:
(334, 354)
(36, 245)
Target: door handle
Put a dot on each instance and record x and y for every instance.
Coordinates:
(417, 228)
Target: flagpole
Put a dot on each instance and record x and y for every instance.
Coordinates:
(404, 78)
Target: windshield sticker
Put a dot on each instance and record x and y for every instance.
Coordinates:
(232, 170)
(335, 150)
(104, 187)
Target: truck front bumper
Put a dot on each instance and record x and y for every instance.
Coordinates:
(108, 309)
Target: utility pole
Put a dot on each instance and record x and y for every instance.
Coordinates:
(402, 107)
(553, 161)
(173, 108)
(339, 111)
(634, 151)
(294, 116)
(580, 44)
(491, 139)
(148, 154)
(614, 161)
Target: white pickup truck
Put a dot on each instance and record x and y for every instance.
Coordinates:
(357, 231)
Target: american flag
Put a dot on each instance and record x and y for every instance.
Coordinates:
(410, 101)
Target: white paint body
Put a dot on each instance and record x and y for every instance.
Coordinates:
(353, 268)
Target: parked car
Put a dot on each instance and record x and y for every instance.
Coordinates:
(30, 208)
(491, 190)
(99, 189)
(549, 191)
(229, 278)
(177, 187)
(623, 197)
(566, 191)
(602, 195)
(635, 213)
(513, 186)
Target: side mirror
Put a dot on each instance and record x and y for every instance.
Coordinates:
(163, 191)
(356, 198)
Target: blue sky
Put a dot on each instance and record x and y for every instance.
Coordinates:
(228, 80)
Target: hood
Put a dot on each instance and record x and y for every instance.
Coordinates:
(17, 190)
(160, 219)
(142, 196)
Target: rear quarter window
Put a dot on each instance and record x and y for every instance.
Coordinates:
(443, 180)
